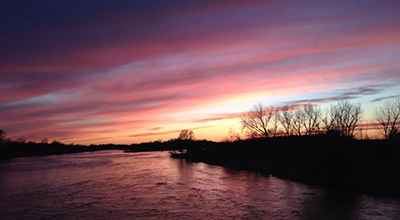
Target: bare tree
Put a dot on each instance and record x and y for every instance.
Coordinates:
(186, 135)
(312, 119)
(345, 117)
(327, 120)
(285, 116)
(275, 124)
(255, 121)
(298, 121)
(388, 116)
(232, 136)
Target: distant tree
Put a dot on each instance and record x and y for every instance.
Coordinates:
(57, 143)
(158, 141)
(3, 135)
(312, 119)
(255, 121)
(233, 136)
(186, 135)
(388, 116)
(44, 141)
(21, 140)
(345, 117)
(285, 116)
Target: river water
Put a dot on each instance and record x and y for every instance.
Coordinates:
(117, 185)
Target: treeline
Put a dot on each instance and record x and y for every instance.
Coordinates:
(342, 119)
(20, 147)
(6, 141)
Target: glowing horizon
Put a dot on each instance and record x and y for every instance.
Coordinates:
(126, 72)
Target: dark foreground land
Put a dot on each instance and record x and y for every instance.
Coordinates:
(371, 166)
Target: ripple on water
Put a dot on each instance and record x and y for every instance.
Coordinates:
(114, 185)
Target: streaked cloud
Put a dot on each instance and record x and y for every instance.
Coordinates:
(104, 70)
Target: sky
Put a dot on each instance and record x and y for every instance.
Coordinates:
(105, 71)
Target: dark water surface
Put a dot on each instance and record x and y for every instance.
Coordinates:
(117, 185)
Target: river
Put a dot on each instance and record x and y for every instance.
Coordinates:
(151, 185)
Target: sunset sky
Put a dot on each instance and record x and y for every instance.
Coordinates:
(105, 71)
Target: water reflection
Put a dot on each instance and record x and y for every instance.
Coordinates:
(111, 184)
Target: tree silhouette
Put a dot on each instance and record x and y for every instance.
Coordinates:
(21, 141)
(345, 117)
(285, 116)
(312, 119)
(327, 120)
(186, 135)
(263, 122)
(44, 141)
(298, 121)
(255, 121)
(2, 137)
(275, 123)
(233, 136)
(388, 117)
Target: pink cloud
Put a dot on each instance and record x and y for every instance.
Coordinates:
(124, 74)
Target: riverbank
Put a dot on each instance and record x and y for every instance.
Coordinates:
(369, 166)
